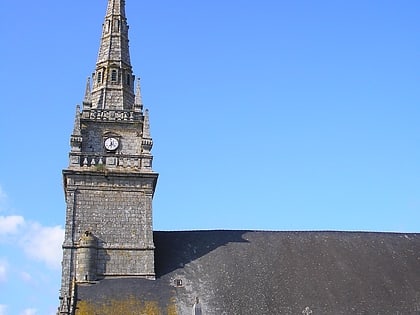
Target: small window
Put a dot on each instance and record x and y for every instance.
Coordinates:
(99, 77)
(116, 25)
(178, 282)
(128, 80)
(114, 75)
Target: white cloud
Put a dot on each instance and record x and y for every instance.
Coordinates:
(3, 309)
(43, 243)
(3, 271)
(10, 224)
(29, 311)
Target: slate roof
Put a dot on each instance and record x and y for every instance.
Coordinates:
(258, 273)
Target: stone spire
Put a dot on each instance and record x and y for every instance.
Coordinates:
(113, 80)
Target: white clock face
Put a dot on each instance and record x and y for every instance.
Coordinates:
(111, 144)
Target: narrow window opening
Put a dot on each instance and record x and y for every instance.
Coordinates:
(178, 282)
(116, 25)
(128, 80)
(99, 80)
(114, 75)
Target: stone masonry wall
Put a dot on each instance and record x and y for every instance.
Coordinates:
(117, 218)
(129, 135)
(131, 263)
(117, 209)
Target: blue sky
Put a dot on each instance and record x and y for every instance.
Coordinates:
(269, 115)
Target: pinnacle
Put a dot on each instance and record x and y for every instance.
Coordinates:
(138, 103)
(88, 97)
(146, 126)
(77, 129)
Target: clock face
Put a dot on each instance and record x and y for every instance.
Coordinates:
(111, 144)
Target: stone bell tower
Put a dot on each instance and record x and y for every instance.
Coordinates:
(109, 183)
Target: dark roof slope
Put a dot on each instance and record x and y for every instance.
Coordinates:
(246, 272)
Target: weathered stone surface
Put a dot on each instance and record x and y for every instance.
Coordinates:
(116, 208)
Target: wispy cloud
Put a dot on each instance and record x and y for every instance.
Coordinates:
(43, 243)
(29, 311)
(23, 242)
(3, 270)
(40, 243)
(10, 224)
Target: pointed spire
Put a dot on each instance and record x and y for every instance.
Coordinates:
(114, 41)
(87, 102)
(113, 83)
(138, 103)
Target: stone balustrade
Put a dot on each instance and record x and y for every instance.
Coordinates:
(110, 115)
(98, 162)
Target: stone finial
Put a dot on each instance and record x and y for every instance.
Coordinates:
(146, 126)
(138, 103)
(76, 129)
(87, 102)
(147, 142)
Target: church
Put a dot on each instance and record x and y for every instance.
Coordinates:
(115, 263)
